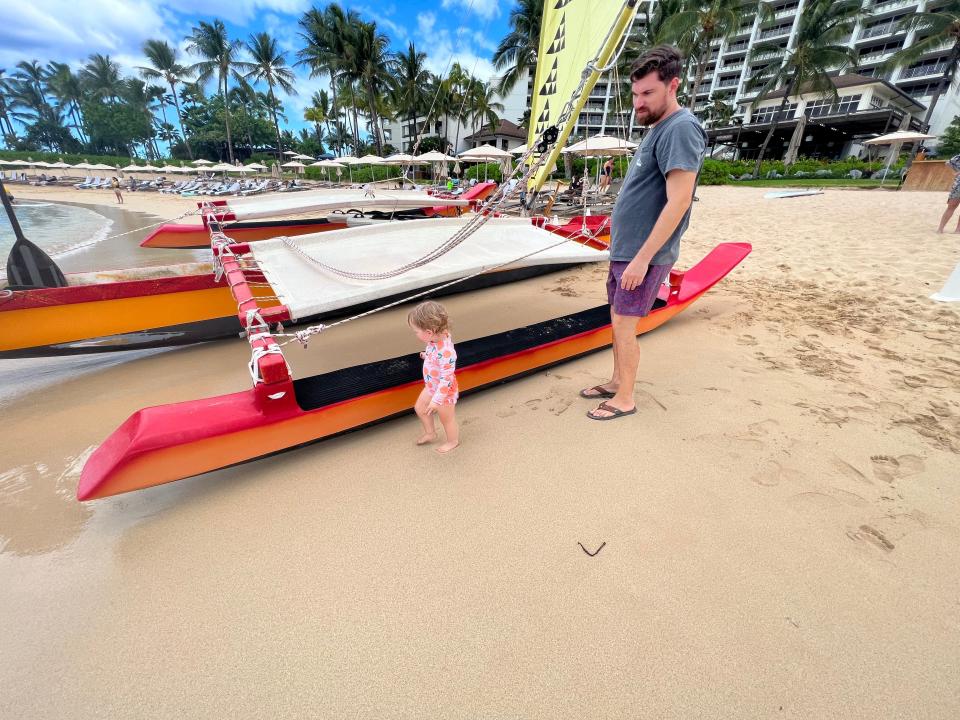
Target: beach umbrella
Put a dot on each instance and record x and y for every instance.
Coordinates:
(222, 167)
(256, 167)
(895, 140)
(201, 161)
(304, 157)
(293, 164)
(129, 168)
(484, 152)
(370, 160)
(349, 161)
(169, 169)
(519, 150)
(601, 146)
(290, 152)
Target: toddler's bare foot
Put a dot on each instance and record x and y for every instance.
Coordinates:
(447, 447)
(426, 438)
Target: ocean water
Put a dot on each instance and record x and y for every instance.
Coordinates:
(55, 228)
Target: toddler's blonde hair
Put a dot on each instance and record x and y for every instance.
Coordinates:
(430, 316)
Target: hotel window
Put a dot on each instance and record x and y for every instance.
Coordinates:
(843, 106)
(765, 115)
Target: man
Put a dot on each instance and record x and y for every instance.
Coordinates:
(650, 216)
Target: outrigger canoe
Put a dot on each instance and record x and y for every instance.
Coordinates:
(162, 444)
(242, 219)
(183, 304)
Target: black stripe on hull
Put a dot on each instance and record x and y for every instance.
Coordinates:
(225, 327)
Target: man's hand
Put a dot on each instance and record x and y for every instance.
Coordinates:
(634, 274)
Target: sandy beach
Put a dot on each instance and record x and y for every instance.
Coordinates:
(780, 519)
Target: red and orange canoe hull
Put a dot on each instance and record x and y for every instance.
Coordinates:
(162, 444)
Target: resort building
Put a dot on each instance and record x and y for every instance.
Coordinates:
(873, 99)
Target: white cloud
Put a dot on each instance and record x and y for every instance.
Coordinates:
(241, 12)
(486, 9)
(70, 31)
(446, 48)
(425, 23)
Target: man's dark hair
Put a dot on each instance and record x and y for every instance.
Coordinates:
(665, 59)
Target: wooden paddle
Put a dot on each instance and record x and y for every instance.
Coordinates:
(28, 267)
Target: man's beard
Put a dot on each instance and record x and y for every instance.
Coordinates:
(651, 116)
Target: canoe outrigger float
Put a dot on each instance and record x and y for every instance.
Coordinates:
(242, 219)
(162, 444)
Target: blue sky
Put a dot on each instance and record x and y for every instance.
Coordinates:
(68, 31)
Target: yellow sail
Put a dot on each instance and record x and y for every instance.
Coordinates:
(572, 33)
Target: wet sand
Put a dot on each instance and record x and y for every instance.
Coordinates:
(780, 517)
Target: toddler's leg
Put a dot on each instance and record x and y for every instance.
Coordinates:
(429, 428)
(448, 419)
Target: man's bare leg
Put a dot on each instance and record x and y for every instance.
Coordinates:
(626, 361)
(614, 382)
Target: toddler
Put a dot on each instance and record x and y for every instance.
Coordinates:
(431, 325)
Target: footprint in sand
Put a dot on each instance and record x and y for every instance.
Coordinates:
(869, 534)
(748, 340)
(849, 471)
(772, 473)
(888, 468)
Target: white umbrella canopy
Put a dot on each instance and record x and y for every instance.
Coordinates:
(404, 159)
(292, 153)
(169, 169)
(329, 164)
(222, 167)
(602, 145)
(519, 150)
(484, 152)
(145, 168)
(293, 164)
(900, 136)
(255, 166)
(370, 160)
(201, 161)
(304, 157)
(435, 156)
(62, 165)
(129, 168)
(102, 166)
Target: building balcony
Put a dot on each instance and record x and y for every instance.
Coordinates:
(883, 6)
(732, 68)
(874, 57)
(924, 71)
(785, 13)
(728, 84)
(775, 32)
(738, 47)
(878, 31)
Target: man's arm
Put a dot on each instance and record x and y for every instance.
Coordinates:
(680, 184)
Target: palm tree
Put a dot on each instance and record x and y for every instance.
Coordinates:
(819, 47)
(719, 111)
(270, 66)
(34, 74)
(699, 24)
(316, 116)
(934, 29)
(164, 65)
(482, 105)
(410, 87)
(323, 32)
(211, 42)
(67, 87)
(322, 109)
(6, 104)
(369, 64)
(517, 51)
(101, 78)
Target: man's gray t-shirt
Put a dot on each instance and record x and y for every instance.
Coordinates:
(676, 143)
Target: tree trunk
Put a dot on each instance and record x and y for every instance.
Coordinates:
(697, 79)
(773, 126)
(226, 110)
(374, 120)
(793, 149)
(276, 123)
(183, 132)
(334, 107)
(944, 83)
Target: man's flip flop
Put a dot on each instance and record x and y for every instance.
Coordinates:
(598, 391)
(617, 412)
